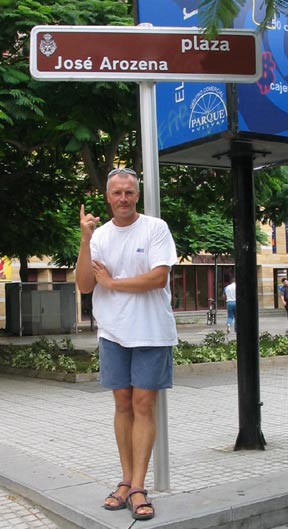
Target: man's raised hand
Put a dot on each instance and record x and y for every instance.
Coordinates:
(88, 223)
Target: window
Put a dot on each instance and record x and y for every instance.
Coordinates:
(58, 276)
(32, 276)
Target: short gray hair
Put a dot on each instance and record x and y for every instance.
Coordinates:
(125, 172)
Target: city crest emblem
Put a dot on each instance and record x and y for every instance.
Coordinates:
(47, 45)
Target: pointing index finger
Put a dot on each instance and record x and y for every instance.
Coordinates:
(82, 211)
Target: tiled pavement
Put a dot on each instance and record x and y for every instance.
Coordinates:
(18, 513)
(62, 433)
(71, 426)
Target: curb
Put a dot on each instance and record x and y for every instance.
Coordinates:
(247, 504)
(50, 375)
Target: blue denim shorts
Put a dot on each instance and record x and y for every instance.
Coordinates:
(140, 367)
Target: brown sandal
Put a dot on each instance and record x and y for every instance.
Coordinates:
(121, 503)
(134, 508)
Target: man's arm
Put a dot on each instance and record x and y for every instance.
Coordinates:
(85, 276)
(156, 278)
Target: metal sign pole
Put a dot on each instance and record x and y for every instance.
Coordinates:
(152, 207)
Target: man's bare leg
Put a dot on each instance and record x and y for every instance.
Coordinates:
(123, 424)
(135, 430)
(143, 437)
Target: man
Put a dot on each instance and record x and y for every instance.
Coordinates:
(284, 294)
(126, 263)
(229, 295)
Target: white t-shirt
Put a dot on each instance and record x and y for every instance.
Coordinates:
(134, 319)
(230, 292)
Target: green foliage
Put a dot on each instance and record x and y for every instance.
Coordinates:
(49, 346)
(43, 360)
(216, 348)
(273, 345)
(66, 253)
(214, 232)
(218, 13)
(197, 204)
(212, 349)
(95, 362)
(271, 189)
(49, 129)
(23, 358)
(42, 192)
(215, 14)
(181, 354)
(67, 364)
(13, 76)
(188, 196)
(49, 355)
(5, 356)
(4, 117)
(215, 338)
(46, 354)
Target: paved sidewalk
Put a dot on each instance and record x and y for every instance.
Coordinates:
(18, 513)
(57, 449)
(192, 328)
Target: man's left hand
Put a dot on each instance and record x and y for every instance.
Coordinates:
(102, 275)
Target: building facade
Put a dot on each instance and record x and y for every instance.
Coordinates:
(192, 281)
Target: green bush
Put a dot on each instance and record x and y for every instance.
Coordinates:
(23, 358)
(44, 361)
(67, 364)
(45, 354)
(273, 345)
(216, 348)
(213, 339)
(46, 345)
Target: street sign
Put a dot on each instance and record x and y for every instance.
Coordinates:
(135, 53)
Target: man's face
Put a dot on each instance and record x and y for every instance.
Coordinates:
(122, 195)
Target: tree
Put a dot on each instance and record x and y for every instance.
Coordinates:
(78, 112)
(46, 129)
(272, 195)
(34, 192)
(198, 206)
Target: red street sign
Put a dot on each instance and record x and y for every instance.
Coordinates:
(135, 53)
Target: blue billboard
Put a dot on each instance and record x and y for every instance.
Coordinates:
(263, 106)
(195, 112)
(185, 111)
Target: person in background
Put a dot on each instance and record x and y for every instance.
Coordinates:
(229, 295)
(284, 294)
(126, 263)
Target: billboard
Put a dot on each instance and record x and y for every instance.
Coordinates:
(263, 106)
(189, 114)
(185, 111)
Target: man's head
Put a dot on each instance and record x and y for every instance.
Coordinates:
(123, 173)
(284, 281)
(123, 195)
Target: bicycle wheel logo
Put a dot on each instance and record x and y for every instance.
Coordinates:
(208, 110)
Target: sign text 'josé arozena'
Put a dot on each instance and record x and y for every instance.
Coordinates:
(130, 53)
